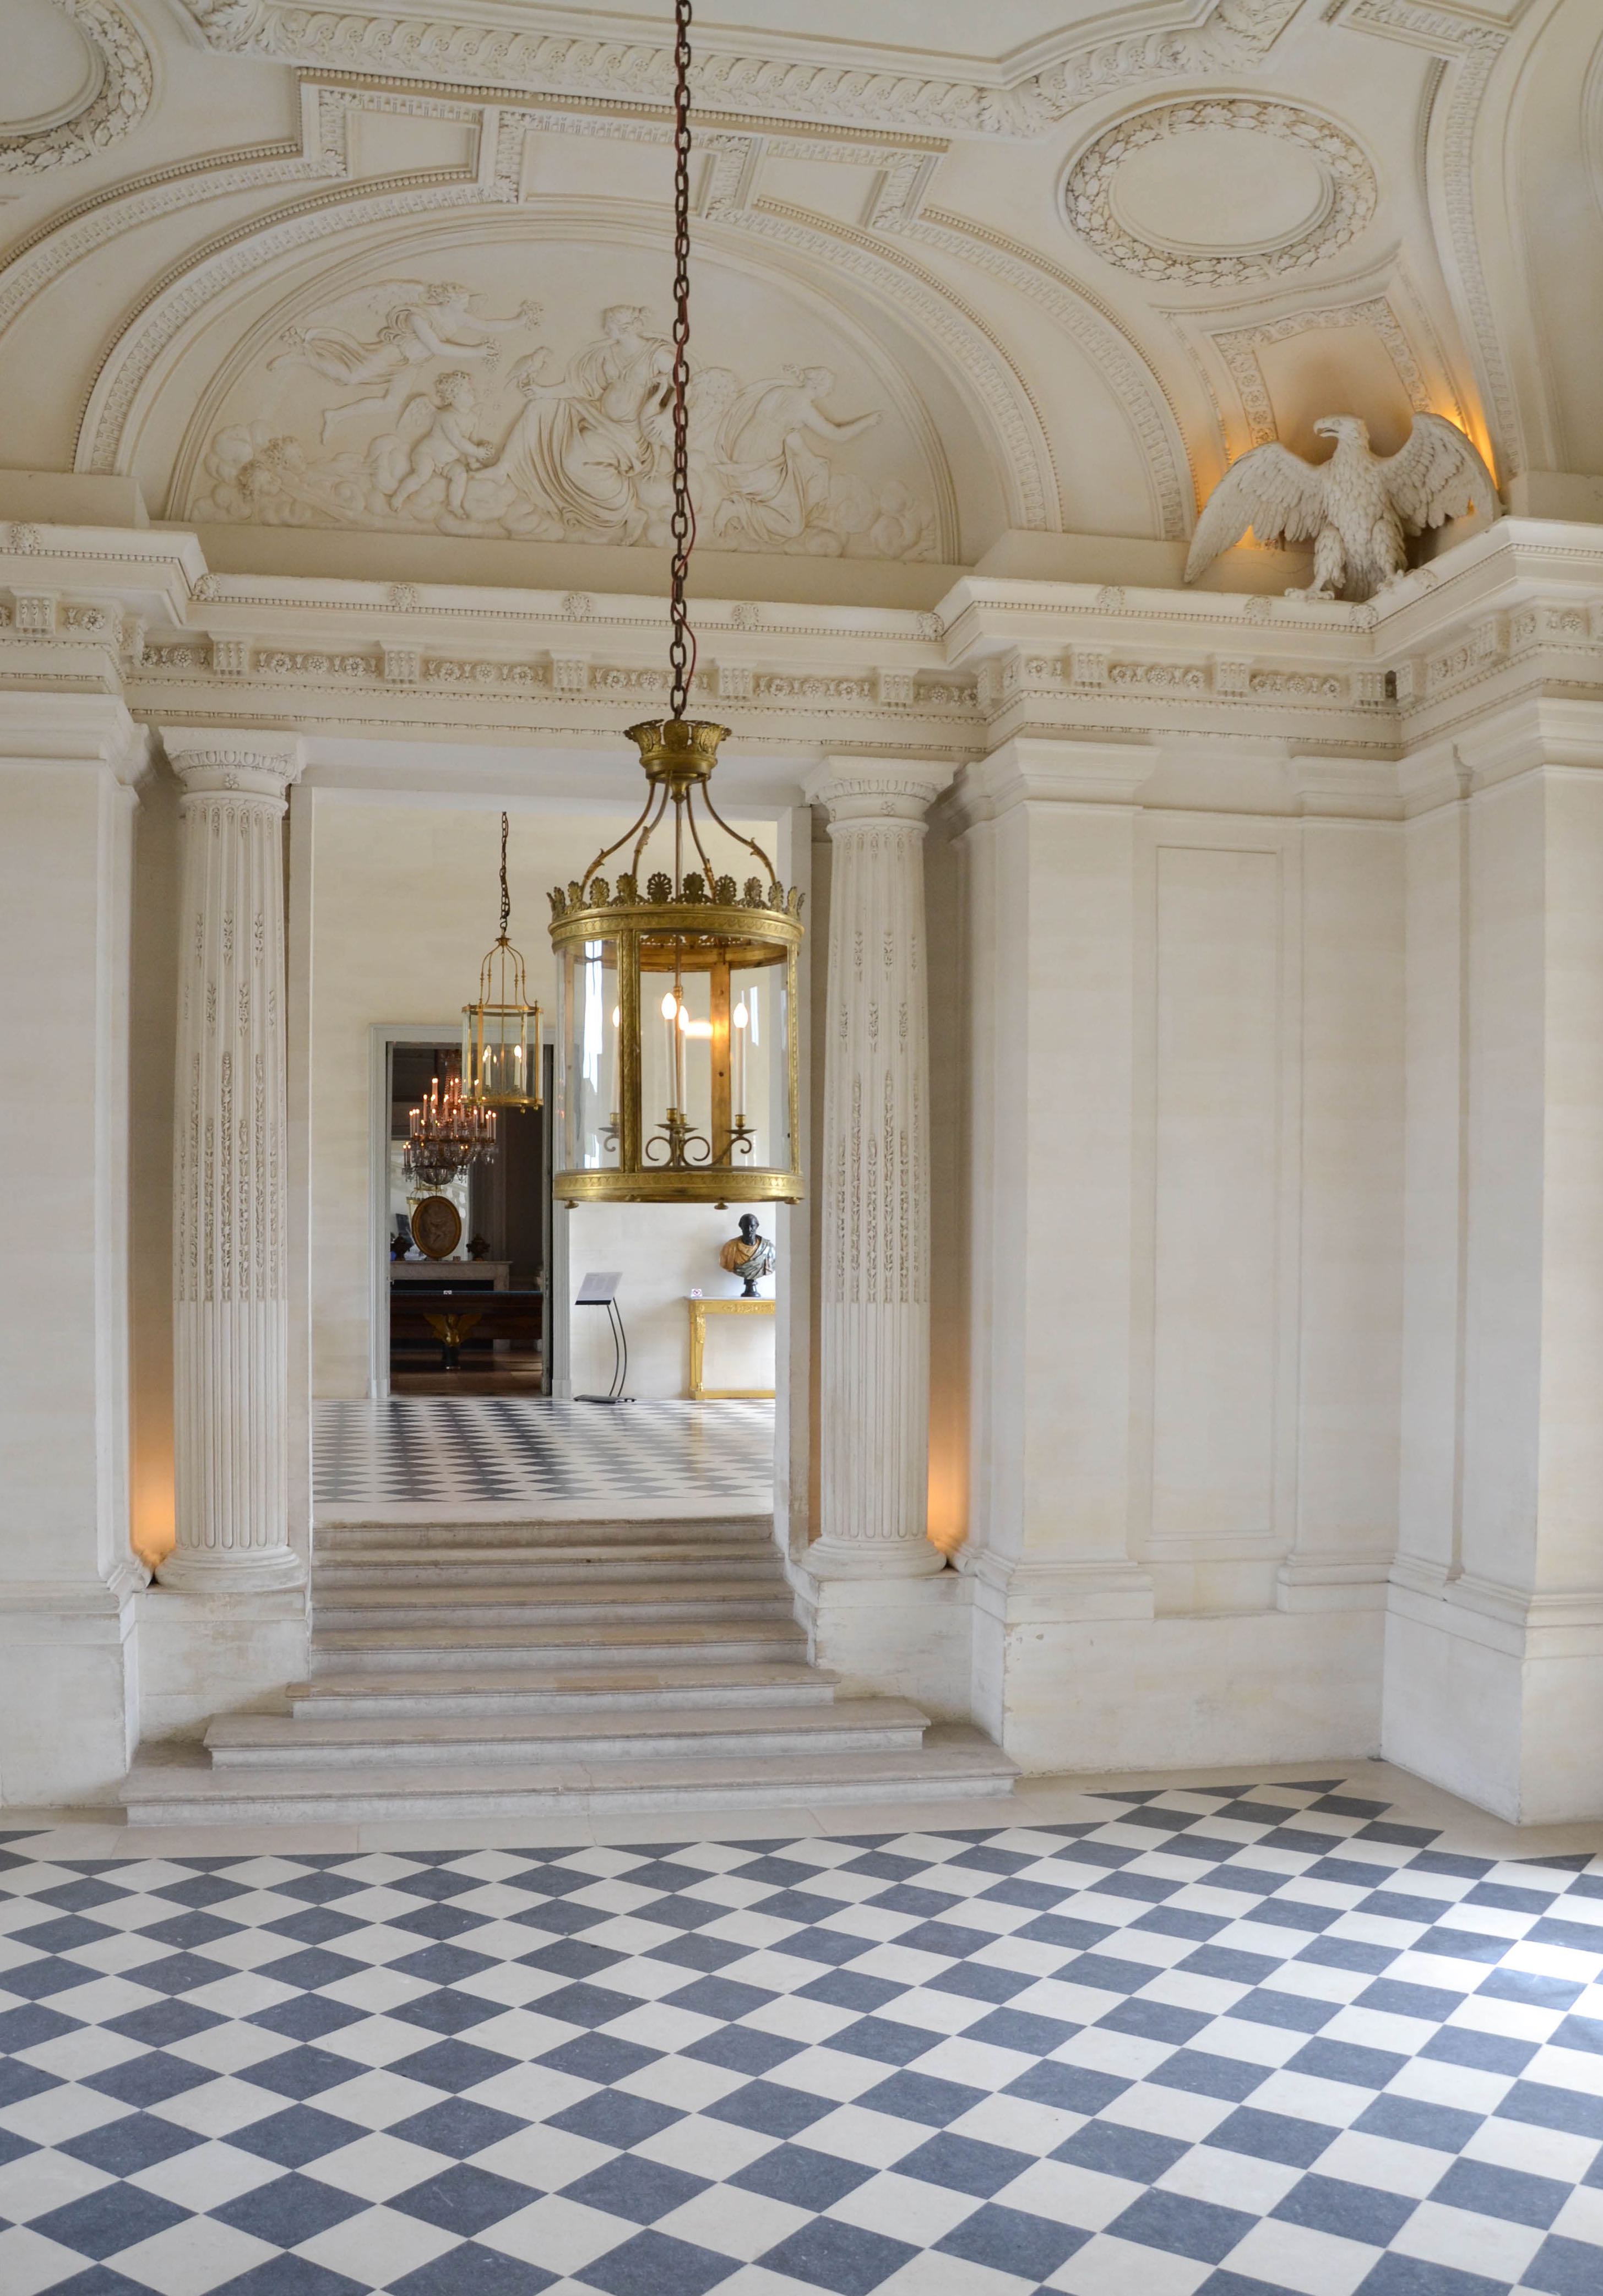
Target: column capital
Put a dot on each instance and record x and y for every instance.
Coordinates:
(255, 762)
(876, 789)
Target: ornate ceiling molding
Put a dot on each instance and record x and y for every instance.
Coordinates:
(321, 156)
(118, 97)
(1472, 47)
(1232, 37)
(1027, 456)
(133, 367)
(1090, 207)
(1239, 346)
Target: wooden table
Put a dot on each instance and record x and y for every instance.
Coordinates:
(700, 1310)
(449, 1313)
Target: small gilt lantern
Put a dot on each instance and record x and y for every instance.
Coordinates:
(677, 1043)
(501, 1031)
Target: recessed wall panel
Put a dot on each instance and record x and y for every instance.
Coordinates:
(1217, 1053)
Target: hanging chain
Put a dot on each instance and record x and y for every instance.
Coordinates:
(506, 895)
(682, 644)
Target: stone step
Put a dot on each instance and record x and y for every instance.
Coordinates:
(346, 1538)
(402, 1649)
(500, 1566)
(558, 1689)
(648, 1734)
(597, 1605)
(953, 1764)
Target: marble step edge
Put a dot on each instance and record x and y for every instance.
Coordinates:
(537, 1533)
(715, 1598)
(406, 1651)
(856, 1726)
(776, 1683)
(596, 1624)
(489, 1565)
(158, 1794)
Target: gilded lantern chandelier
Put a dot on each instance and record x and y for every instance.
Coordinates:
(501, 1032)
(678, 1048)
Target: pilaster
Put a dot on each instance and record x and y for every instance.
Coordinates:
(231, 1313)
(69, 1680)
(1494, 1642)
(875, 1287)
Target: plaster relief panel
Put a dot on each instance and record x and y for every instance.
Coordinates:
(529, 396)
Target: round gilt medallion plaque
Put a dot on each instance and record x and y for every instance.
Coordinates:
(436, 1226)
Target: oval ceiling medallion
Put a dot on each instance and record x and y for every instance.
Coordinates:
(1224, 190)
(78, 76)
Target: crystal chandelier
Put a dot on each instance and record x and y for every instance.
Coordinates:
(677, 1049)
(501, 1033)
(446, 1135)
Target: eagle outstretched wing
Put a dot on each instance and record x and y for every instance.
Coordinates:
(1274, 492)
(1438, 474)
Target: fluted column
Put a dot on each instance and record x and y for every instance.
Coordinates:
(874, 1323)
(230, 1307)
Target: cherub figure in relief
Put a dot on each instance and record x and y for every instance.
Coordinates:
(423, 321)
(447, 450)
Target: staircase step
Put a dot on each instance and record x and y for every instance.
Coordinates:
(402, 1649)
(598, 1605)
(955, 1764)
(559, 1689)
(358, 1537)
(504, 1566)
(648, 1734)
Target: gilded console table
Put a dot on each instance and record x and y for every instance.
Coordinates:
(700, 1310)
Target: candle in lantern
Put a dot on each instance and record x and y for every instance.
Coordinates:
(737, 1062)
(682, 1032)
(670, 1007)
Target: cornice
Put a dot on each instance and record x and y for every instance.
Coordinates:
(1509, 620)
(804, 77)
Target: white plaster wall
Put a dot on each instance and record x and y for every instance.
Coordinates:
(662, 1250)
(1187, 1206)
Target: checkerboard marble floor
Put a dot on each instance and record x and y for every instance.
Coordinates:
(494, 1453)
(1210, 2040)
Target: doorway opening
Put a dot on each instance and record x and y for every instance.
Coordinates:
(467, 1292)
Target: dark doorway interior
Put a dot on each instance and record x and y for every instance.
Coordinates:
(473, 1323)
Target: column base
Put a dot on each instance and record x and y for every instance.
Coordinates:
(879, 1558)
(69, 1689)
(205, 1654)
(888, 1637)
(1496, 1695)
(201, 1570)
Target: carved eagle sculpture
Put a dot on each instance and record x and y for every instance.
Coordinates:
(1358, 507)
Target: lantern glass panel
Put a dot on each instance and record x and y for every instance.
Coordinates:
(591, 1033)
